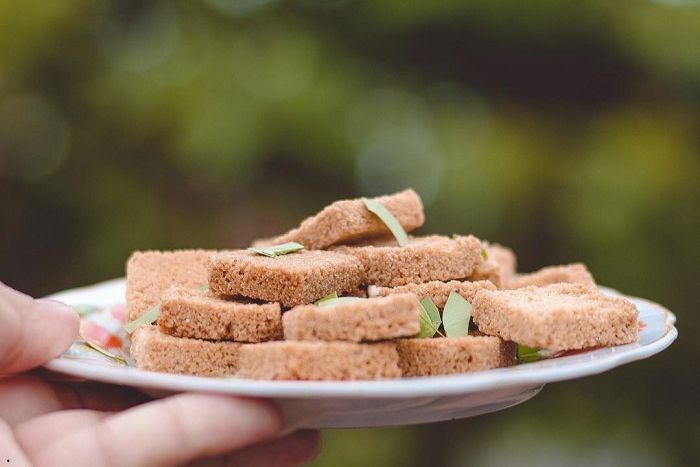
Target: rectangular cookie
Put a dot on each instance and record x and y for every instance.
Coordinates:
(197, 314)
(423, 259)
(438, 291)
(444, 356)
(150, 273)
(556, 317)
(575, 273)
(154, 351)
(318, 361)
(503, 256)
(349, 220)
(293, 279)
(369, 319)
(499, 266)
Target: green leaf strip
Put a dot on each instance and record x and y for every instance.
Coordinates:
(326, 298)
(338, 300)
(529, 354)
(106, 353)
(148, 317)
(429, 319)
(456, 316)
(278, 250)
(388, 218)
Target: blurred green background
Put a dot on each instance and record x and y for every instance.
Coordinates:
(569, 130)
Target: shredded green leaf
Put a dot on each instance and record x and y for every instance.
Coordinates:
(148, 317)
(484, 254)
(330, 296)
(529, 354)
(333, 301)
(426, 326)
(388, 218)
(456, 316)
(106, 353)
(429, 319)
(278, 250)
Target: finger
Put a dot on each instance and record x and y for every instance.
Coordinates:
(25, 397)
(170, 431)
(10, 452)
(32, 331)
(297, 448)
(51, 427)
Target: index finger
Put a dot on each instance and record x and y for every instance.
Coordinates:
(170, 431)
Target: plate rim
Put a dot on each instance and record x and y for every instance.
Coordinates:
(525, 375)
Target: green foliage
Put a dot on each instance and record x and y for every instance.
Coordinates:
(388, 219)
(106, 353)
(149, 317)
(430, 320)
(456, 315)
(333, 301)
(567, 130)
(527, 354)
(278, 250)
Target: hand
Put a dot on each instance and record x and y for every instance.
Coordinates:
(53, 423)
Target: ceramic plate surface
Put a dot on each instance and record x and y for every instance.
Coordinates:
(353, 403)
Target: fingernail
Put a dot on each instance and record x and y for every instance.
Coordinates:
(58, 307)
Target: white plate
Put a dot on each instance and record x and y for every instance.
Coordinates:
(368, 403)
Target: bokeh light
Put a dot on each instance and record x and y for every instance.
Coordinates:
(34, 137)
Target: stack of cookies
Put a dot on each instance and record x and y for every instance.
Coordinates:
(344, 302)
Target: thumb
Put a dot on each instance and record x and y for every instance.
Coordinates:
(32, 331)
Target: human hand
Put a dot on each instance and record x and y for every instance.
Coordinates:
(62, 423)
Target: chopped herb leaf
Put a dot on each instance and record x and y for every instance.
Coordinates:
(148, 317)
(388, 218)
(263, 252)
(338, 300)
(484, 254)
(330, 296)
(426, 326)
(529, 354)
(106, 353)
(456, 316)
(278, 250)
(429, 318)
(203, 287)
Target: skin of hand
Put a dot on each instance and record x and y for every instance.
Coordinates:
(56, 423)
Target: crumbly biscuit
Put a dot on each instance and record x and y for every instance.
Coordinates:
(444, 356)
(293, 279)
(348, 220)
(154, 351)
(575, 273)
(317, 361)
(363, 320)
(499, 266)
(556, 317)
(197, 314)
(438, 291)
(423, 259)
(150, 273)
